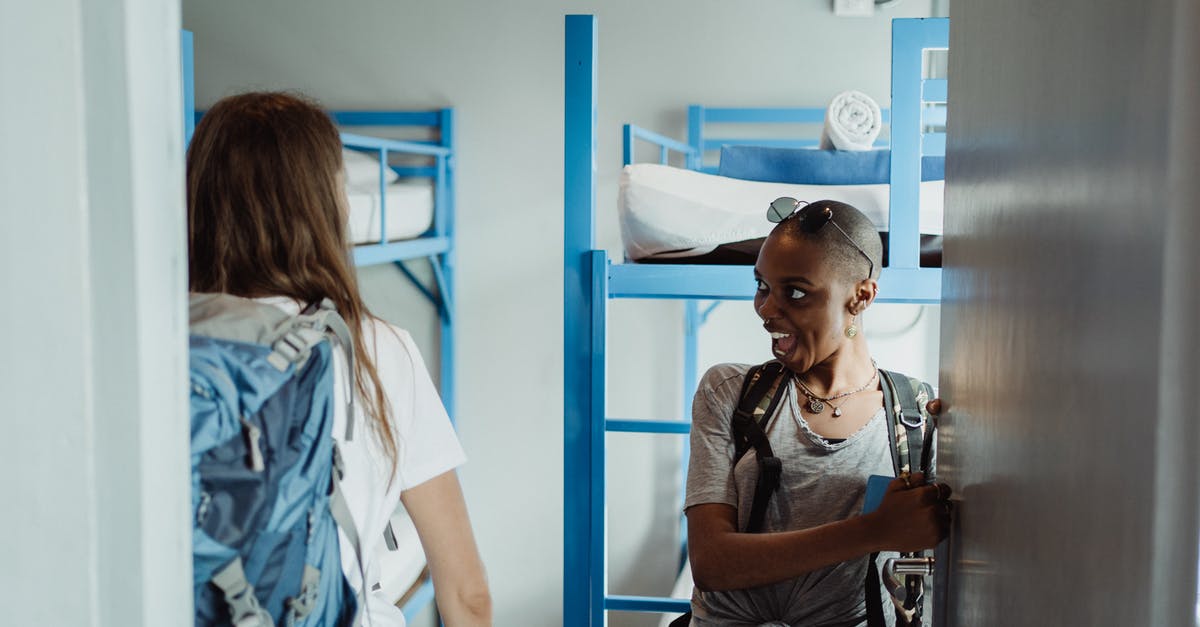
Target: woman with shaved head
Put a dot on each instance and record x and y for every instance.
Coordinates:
(801, 552)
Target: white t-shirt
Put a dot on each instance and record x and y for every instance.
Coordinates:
(425, 440)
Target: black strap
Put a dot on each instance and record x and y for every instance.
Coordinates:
(874, 597)
(682, 621)
(755, 387)
(748, 432)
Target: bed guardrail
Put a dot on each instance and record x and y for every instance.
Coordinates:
(631, 133)
(700, 117)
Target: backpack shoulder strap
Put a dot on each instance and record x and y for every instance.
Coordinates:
(760, 395)
(323, 317)
(904, 400)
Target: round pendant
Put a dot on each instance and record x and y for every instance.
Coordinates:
(837, 411)
(815, 406)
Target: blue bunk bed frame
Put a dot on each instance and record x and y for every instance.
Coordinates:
(590, 281)
(437, 245)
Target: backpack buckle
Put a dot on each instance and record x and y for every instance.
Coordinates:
(904, 420)
(244, 608)
(301, 605)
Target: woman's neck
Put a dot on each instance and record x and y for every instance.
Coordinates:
(846, 369)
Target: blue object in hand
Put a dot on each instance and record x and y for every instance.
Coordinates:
(876, 486)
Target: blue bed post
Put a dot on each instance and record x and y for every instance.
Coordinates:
(579, 306)
(696, 137)
(188, 79)
(910, 38)
(444, 226)
(692, 321)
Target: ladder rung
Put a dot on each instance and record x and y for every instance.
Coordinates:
(647, 426)
(646, 604)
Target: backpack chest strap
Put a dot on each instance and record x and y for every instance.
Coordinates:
(298, 335)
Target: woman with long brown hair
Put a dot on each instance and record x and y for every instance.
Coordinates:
(267, 219)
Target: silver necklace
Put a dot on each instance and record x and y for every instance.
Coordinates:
(816, 404)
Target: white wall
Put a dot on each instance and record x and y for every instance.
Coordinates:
(500, 66)
(92, 375)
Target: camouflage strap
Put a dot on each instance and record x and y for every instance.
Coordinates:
(904, 400)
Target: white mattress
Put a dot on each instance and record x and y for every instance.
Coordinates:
(409, 211)
(673, 212)
(400, 569)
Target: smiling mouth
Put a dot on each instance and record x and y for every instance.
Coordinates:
(782, 343)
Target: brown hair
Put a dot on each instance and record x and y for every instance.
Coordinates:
(267, 217)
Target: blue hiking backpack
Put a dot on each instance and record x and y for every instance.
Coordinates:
(265, 467)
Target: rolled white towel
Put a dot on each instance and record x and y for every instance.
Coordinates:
(852, 122)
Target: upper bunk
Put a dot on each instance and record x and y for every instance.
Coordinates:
(400, 191)
(916, 120)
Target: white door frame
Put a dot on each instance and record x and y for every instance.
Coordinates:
(93, 266)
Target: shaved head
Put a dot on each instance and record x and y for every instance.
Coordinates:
(843, 258)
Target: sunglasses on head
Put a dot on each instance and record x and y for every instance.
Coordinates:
(811, 219)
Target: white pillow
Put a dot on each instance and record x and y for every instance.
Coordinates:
(362, 169)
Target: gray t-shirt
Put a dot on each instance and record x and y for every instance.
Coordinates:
(822, 482)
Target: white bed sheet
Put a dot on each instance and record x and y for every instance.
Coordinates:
(409, 211)
(665, 209)
(400, 569)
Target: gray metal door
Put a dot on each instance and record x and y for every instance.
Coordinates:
(1069, 339)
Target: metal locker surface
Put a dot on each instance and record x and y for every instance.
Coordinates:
(1069, 340)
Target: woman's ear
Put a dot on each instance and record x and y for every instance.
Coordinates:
(863, 295)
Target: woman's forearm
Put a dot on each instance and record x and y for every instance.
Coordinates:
(725, 559)
(459, 579)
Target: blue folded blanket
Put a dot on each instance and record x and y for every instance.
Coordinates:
(805, 166)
